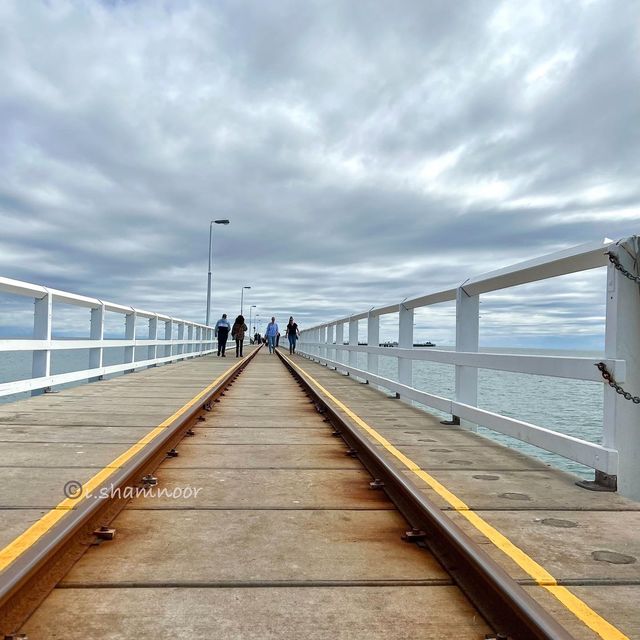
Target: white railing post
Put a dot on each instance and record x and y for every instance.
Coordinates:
(331, 352)
(96, 332)
(168, 336)
(353, 340)
(180, 349)
(152, 349)
(622, 340)
(42, 321)
(339, 341)
(130, 334)
(322, 339)
(373, 340)
(198, 342)
(467, 339)
(190, 338)
(405, 341)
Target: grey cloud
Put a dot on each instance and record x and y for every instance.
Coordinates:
(364, 151)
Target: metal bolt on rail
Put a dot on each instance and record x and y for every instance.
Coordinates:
(201, 418)
(336, 434)
(172, 453)
(191, 432)
(351, 453)
(376, 484)
(415, 535)
(105, 533)
(207, 407)
(150, 480)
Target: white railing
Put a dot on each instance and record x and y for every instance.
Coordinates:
(616, 460)
(192, 339)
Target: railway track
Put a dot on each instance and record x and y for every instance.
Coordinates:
(288, 536)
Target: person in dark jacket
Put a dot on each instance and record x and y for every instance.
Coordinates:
(237, 332)
(222, 333)
(293, 334)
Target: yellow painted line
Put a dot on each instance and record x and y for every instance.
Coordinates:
(25, 540)
(543, 578)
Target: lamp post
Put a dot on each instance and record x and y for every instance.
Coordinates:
(251, 332)
(242, 299)
(209, 274)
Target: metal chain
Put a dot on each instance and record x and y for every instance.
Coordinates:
(613, 259)
(602, 367)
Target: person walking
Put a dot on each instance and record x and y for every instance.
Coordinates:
(271, 333)
(237, 332)
(293, 334)
(222, 333)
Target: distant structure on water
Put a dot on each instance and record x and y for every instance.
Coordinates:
(428, 343)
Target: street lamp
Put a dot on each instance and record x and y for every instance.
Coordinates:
(209, 274)
(242, 298)
(251, 331)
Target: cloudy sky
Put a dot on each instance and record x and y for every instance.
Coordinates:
(365, 151)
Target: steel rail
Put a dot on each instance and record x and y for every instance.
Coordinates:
(27, 581)
(510, 611)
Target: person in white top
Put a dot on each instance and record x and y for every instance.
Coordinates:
(271, 333)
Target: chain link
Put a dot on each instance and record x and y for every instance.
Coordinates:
(613, 259)
(602, 367)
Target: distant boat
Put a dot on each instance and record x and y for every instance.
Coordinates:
(395, 344)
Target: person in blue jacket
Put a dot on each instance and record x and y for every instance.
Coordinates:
(222, 333)
(271, 334)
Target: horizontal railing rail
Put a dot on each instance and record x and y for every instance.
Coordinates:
(177, 340)
(615, 459)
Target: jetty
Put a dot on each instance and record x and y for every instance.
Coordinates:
(181, 494)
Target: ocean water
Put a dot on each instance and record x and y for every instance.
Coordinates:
(572, 407)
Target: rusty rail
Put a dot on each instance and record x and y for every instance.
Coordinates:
(28, 580)
(505, 605)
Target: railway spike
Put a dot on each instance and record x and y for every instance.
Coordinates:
(150, 480)
(191, 432)
(207, 407)
(172, 453)
(105, 533)
(376, 484)
(415, 535)
(352, 453)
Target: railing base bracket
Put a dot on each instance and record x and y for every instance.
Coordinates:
(602, 482)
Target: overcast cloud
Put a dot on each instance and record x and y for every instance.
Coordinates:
(364, 151)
